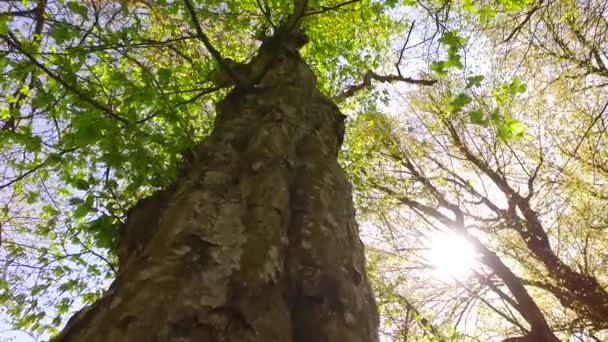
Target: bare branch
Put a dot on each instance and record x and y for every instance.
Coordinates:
(409, 33)
(367, 82)
(325, 9)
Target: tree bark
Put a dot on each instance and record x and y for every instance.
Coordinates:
(257, 241)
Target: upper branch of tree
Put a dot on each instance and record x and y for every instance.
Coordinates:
(590, 295)
(423, 322)
(265, 9)
(11, 40)
(367, 82)
(527, 307)
(467, 186)
(585, 134)
(533, 177)
(325, 9)
(293, 21)
(221, 61)
(17, 13)
(15, 107)
(501, 294)
(32, 170)
(407, 40)
(527, 18)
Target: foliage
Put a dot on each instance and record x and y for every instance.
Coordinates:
(498, 161)
(104, 101)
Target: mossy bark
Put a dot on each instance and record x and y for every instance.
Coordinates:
(256, 242)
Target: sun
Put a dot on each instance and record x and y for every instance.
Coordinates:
(451, 256)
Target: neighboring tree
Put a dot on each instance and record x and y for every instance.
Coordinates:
(515, 169)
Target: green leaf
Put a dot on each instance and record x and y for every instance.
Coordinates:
(32, 197)
(50, 211)
(78, 8)
(511, 129)
(499, 96)
(63, 306)
(468, 6)
(454, 61)
(495, 117)
(460, 101)
(5, 113)
(517, 127)
(75, 201)
(89, 200)
(514, 5)
(54, 159)
(477, 118)
(42, 99)
(82, 210)
(87, 134)
(82, 184)
(89, 298)
(36, 289)
(105, 232)
(3, 26)
(452, 39)
(486, 13)
(454, 43)
(474, 81)
(33, 144)
(25, 90)
(516, 86)
(164, 75)
(60, 34)
(439, 68)
(391, 3)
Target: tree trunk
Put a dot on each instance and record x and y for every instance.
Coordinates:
(257, 241)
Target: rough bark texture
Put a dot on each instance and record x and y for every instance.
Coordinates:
(256, 242)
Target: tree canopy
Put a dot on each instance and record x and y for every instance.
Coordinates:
(475, 133)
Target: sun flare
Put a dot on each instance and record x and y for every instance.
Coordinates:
(451, 256)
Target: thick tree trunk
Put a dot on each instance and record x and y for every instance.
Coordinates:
(256, 242)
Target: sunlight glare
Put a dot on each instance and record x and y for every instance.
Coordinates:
(451, 256)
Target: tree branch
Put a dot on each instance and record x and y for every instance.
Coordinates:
(521, 25)
(265, 9)
(293, 21)
(409, 33)
(215, 54)
(32, 170)
(367, 82)
(325, 9)
(11, 40)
